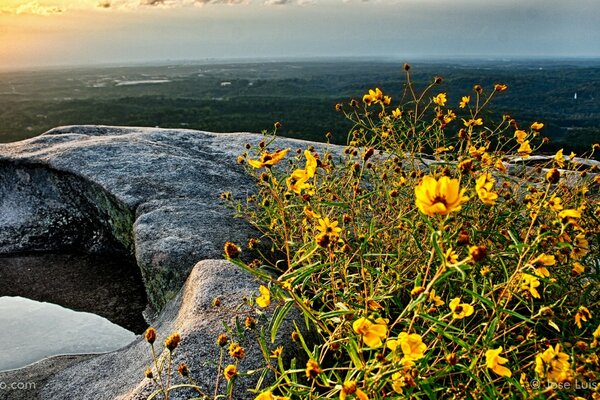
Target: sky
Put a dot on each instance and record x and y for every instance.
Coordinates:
(89, 32)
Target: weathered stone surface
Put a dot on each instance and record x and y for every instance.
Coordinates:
(119, 375)
(152, 192)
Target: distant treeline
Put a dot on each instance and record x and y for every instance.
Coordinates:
(302, 96)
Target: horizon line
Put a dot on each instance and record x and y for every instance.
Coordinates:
(317, 58)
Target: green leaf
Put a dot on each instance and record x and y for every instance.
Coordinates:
(278, 317)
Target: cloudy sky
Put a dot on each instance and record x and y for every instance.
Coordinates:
(68, 32)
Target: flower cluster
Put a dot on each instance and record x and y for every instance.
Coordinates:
(433, 255)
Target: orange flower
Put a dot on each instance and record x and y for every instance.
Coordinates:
(536, 126)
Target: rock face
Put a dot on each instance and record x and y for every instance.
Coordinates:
(149, 192)
(119, 375)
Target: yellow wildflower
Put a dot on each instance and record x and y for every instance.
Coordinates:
(374, 96)
(298, 180)
(559, 158)
(500, 87)
(568, 216)
(329, 227)
(277, 352)
(525, 149)
(582, 315)
(450, 256)
(543, 259)
(578, 269)
(387, 100)
(372, 333)
(499, 165)
(465, 166)
(449, 117)
(230, 371)
(398, 383)
(477, 152)
(310, 213)
(287, 284)
(464, 101)
(349, 388)
(440, 99)
(473, 122)
(441, 196)
(581, 247)
(268, 159)
(265, 297)
(494, 362)
(520, 136)
(231, 250)
(312, 369)
(529, 284)
(150, 335)
(172, 341)
(396, 113)
(460, 310)
(555, 204)
(237, 351)
(435, 299)
(552, 364)
(596, 335)
(268, 395)
(417, 290)
(536, 126)
(412, 346)
(484, 186)
(329, 232)
(486, 159)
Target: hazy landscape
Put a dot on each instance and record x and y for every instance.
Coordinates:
(251, 96)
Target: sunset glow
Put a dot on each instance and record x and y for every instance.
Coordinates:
(54, 32)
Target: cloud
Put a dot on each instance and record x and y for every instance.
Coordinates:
(36, 8)
(155, 2)
(203, 2)
(134, 4)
